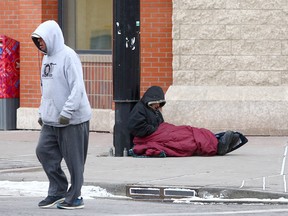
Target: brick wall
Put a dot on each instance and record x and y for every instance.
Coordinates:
(9, 19)
(21, 17)
(31, 14)
(156, 43)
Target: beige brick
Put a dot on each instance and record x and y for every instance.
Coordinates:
(251, 17)
(184, 47)
(237, 63)
(262, 4)
(176, 62)
(227, 17)
(233, 32)
(273, 17)
(213, 47)
(256, 47)
(262, 32)
(210, 78)
(183, 77)
(284, 47)
(233, 4)
(202, 31)
(258, 78)
(274, 62)
(203, 4)
(176, 4)
(193, 17)
(199, 62)
(284, 78)
(176, 32)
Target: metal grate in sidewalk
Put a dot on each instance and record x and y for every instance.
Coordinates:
(158, 192)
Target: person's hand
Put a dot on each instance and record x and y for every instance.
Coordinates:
(63, 120)
(40, 122)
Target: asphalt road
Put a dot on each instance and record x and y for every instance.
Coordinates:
(12, 206)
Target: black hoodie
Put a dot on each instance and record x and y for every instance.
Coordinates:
(143, 120)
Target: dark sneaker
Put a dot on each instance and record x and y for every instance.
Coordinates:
(224, 142)
(50, 201)
(77, 204)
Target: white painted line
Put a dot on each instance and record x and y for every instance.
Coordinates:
(212, 213)
(283, 162)
(242, 185)
(285, 185)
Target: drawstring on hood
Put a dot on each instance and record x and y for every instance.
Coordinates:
(153, 95)
(35, 38)
(52, 35)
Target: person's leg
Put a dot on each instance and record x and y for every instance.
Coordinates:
(50, 157)
(74, 145)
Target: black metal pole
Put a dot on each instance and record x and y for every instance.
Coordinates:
(126, 68)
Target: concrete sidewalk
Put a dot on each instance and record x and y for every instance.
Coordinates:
(255, 170)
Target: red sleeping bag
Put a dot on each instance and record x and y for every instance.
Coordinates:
(177, 141)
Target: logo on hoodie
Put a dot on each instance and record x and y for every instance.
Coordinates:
(48, 70)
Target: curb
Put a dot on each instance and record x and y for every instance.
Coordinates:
(203, 194)
(115, 189)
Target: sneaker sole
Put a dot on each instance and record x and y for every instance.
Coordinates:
(52, 204)
(70, 207)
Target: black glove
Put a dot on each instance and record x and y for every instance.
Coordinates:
(40, 122)
(63, 120)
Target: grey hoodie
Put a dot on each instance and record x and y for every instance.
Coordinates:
(62, 84)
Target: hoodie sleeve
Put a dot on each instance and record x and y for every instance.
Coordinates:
(74, 77)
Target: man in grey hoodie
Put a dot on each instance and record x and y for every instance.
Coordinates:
(64, 115)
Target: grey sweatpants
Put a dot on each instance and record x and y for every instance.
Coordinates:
(71, 144)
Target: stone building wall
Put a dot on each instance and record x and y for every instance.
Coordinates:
(230, 65)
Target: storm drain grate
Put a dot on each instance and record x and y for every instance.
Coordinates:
(145, 191)
(179, 192)
(136, 191)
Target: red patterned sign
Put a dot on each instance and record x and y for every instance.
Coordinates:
(9, 67)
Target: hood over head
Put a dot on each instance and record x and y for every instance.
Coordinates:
(154, 94)
(52, 35)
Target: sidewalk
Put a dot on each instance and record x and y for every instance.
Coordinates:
(255, 170)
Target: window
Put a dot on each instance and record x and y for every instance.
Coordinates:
(87, 25)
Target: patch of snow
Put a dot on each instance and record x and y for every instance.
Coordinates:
(39, 189)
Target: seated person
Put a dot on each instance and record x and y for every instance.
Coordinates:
(155, 137)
